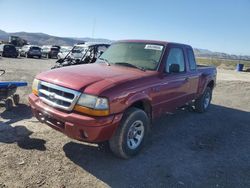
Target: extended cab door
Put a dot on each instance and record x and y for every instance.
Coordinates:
(173, 89)
(193, 75)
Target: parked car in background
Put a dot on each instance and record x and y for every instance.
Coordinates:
(23, 51)
(50, 51)
(64, 50)
(117, 98)
(8, 50)
(30, 51)
(78, 51)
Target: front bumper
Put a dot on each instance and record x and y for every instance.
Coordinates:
(74, 125)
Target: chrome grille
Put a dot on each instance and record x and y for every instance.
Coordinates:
(57, 96)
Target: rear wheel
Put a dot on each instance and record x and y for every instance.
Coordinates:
(131, 134)
(8, 104)
(203, 102)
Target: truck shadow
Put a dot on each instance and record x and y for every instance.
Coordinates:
(18, 113)
(19, 134)
(185, 149)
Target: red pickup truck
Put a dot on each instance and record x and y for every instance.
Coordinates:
(116, 98)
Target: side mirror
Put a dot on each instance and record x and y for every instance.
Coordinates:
(174, 68)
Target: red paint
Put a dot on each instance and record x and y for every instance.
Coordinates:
(123, 86)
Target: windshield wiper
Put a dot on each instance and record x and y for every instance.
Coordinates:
(105, 60)
(130, 65)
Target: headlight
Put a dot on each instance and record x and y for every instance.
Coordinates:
(35, 86)
(92, 105)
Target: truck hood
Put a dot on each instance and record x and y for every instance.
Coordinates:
(92, 78)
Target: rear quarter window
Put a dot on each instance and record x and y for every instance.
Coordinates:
(191, 59)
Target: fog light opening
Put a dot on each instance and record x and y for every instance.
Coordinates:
(41, 117)
(84, 134)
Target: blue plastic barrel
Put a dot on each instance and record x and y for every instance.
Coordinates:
(239, 67)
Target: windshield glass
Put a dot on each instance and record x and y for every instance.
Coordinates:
(142, 55)
(54, 49)
(9, 48)
(35, 48)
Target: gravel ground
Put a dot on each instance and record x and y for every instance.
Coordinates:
(186, 149)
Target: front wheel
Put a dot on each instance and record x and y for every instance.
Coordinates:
(203, 102)
(131, 134)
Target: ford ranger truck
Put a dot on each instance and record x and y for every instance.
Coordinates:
(116, 98)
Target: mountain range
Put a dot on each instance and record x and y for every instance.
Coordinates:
(45, 39)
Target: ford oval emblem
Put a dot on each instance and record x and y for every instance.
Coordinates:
(52, 96)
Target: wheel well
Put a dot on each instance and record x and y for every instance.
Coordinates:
(145, 106)
(211, 84)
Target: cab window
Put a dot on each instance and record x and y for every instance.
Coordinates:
(175, 56)
(191, 59)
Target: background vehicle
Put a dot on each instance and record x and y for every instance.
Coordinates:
(117, 98)
(78, 51)
(8, 50)
(30, 51)
(50, 51)
(64, 50)
(23, 51)
(89, 53)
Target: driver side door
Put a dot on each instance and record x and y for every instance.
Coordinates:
(174, 86)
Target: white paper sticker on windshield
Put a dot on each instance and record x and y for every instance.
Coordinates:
(153, 47)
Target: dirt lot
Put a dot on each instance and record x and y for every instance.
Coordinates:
(185, 149)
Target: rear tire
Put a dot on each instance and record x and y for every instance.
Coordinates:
(203, 102)
(130, 137)
(8, 104)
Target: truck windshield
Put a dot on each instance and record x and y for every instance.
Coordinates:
(144, 55)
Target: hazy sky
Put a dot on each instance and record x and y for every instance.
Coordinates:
(222, 25)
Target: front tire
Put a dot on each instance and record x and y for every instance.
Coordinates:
(130, 137)
(203, 102)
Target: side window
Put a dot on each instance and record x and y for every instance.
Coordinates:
(176, 56)
(191, 59)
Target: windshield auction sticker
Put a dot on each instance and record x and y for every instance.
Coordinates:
(153, 47)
